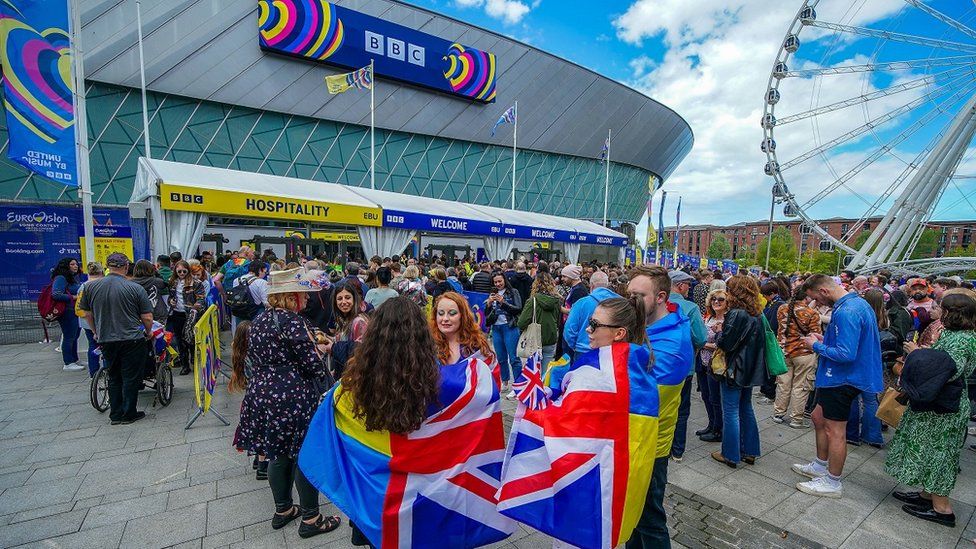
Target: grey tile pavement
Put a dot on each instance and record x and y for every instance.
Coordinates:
(69, 479)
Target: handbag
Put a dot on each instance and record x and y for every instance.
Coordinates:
(718, 364)
(890, 410)
(530, 342)
(775, 359)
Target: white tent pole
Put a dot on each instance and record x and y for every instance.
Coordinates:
(81, 131)
(372, 128)
(142, 76)
(514, 152)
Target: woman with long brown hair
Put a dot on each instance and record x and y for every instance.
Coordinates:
(542, 307)
(283, 392)
(716, 302)
(743, 340)
(185, 295)
(455, 331)
(379, 424)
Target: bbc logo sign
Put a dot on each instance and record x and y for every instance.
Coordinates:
(394, 49)
(186, 198)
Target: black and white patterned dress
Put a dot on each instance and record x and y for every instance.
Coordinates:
(282, 394)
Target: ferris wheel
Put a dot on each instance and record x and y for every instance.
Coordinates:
(869, 114)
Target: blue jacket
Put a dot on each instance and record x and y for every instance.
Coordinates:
(62, 291)
(690, 309)
(851, 350)
(575, 330)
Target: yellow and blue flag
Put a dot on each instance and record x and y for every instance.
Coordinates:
(361, 79)
(579, 468)
(670, 338)
(433, 487)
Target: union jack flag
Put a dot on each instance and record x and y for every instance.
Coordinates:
(579, 469)
(433, 487)
(509, 117)
(528, 387)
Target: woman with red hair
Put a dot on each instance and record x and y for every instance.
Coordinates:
(456, 332)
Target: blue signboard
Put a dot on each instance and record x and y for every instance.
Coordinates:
(440, 223)
(37, 88)
(618, 241)
(537, 233)
(321, 31)
(713, 264)
(34, 238)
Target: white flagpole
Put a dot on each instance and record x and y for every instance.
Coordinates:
(372, 128)
(142, 75)
(606, 187)
(81, 131)
(514, 152)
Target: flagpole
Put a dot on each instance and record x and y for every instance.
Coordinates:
(606, 187)
(372, 128)
(81, 131)
(514, 152)
(142, 76)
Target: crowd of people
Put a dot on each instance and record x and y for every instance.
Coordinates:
(822, 351)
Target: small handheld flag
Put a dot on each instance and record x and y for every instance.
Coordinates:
(361, 79)
(509, 116)
(528, 387)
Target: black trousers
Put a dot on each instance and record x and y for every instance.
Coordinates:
(175, 324)
(652, 527)
(126, 361)
(283, 473)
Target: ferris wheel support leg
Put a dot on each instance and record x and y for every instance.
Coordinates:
(905, 217)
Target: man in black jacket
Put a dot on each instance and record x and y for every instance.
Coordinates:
(482, 279)
(522, 281)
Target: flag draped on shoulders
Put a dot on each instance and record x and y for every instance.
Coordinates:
(670, 338)
(579, 469)
(433, 487)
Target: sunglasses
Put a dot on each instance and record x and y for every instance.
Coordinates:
(718, 300)
(181, 271)
(596, 325)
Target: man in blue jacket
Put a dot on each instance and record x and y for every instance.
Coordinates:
(680, 284)
(849, 364)
(574, 333)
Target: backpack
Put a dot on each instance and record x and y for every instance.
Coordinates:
(241, 302)
(50, 309)
(235, 272)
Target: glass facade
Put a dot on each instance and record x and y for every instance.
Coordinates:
(241, 138)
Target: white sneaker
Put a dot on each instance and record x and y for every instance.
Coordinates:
(74, 367)
(822, 487)
(972, 431)
(511, 394)
(808, 470)
(794, 424)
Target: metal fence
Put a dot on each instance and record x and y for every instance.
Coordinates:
(19, 320)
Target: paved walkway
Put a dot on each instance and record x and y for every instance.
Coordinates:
(69, 479)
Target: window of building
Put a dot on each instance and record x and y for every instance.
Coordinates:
(826, 246)
(843, 228)
(866, 227)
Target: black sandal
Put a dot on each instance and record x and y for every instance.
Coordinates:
(279, 521)
(321, 525)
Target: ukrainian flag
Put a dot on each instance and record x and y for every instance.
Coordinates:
(670, 339)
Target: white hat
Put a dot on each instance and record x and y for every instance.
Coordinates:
(296, 280)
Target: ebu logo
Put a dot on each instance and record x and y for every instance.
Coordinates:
(186, 198)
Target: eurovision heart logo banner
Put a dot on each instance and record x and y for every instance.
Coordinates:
(37, 87)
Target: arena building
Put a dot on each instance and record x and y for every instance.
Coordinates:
(231, 85)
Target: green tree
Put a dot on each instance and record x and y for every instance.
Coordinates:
(719, 248)
(928, 244)
(782, 255)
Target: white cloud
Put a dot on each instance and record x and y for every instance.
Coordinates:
(717, 60)
(509, 11)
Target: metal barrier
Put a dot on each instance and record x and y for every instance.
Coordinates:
(19, 320)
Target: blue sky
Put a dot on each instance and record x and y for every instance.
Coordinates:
(710, 60)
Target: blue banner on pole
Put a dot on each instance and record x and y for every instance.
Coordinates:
(36, 56)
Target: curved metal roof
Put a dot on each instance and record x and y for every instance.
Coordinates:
(208, 49)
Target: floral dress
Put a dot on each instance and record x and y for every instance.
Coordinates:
(283, 391)
(925, 449)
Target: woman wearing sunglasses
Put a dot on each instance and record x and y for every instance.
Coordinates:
(716, 305)
(185, 294)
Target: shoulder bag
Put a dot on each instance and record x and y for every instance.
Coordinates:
(530, 341)
(775, 360)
